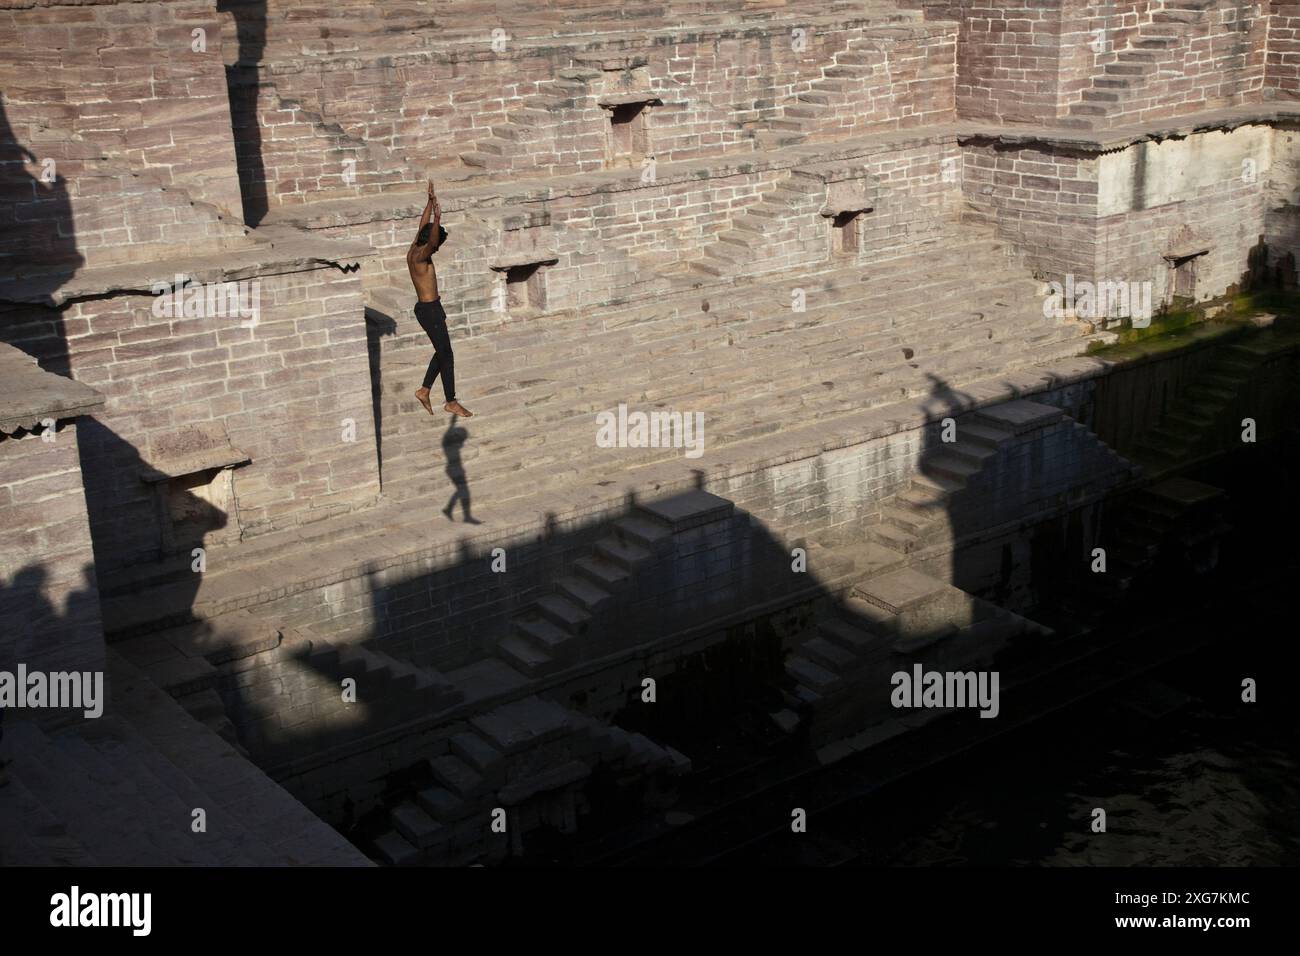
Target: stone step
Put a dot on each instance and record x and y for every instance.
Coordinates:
(903, 591)
(950, 466)
(280, 830)
(602, 573)
(393, 849)
(565, 614)
(417, 827)
(646, 533)
(827, 654)
(478, 753)
(624, 554)
(523, 724)
(582, 592)
(526, 656)
(443, 805)
(894, 538)
(855, 640)
(30, 834)
(814, 676)
(457, 776)
(558, 644)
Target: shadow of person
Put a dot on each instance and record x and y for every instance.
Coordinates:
(243, 80)
(27, 614)
(453, 441)
(38, 248)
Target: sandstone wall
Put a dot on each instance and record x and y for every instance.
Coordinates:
(279, 391)
(1114, 215)
(375, 119)
(115, 134)
(49, 600)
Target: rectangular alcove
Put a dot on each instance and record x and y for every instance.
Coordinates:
(525, 288)
(192, 474)
(522, 289)
(1183, 262)
(629, 140)
(846, 232)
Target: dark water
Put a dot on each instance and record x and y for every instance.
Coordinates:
(1187, 773)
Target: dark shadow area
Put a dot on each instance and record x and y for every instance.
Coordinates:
(453, 443)
(143, 532)
(32, 622)
(243, 79)
(378, 325)
(727, 691)
(38, 250)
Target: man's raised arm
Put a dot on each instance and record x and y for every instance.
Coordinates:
(432, 211)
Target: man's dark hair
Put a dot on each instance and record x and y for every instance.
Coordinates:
(423, 237)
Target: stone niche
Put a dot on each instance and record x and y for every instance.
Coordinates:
(629, 136)
(527, 249)
(850, 196)
(1183, 256)
(192, 473)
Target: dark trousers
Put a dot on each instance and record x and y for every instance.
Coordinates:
(433, 320)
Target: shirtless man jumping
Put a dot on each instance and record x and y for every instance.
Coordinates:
(428, 309)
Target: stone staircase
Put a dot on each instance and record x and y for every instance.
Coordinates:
(897, 612)
(529, 143)
(756, 234)
(854, 68)
(272, 693)
(530, 757)
(121, 790)
(870, 335)
(1176, 521)
(643, 579)
(556, 630)
(938, 504)
(841, 677)
(1197, 425)
(1161, 44)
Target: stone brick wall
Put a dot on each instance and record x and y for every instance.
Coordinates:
(1282, 66)
(1217, 61)
(49, 599)
(1113, 215)
(533, 108)
(1041, 198)
(1033, 61)
(1155, 193)
(1008, 54)
(115, 132)
(449, 609)
(609, 240)
(279, 392)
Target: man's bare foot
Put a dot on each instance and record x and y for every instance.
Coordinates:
(422, 396)
(456, 408)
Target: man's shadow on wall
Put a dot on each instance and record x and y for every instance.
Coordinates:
(38, 249)
(243, 83)
(453, 442)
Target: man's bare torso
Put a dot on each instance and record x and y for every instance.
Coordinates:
(425, 279)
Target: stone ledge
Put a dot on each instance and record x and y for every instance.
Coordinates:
(407, 202)
(271, 251)
(30, 395)
(1121, 137)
